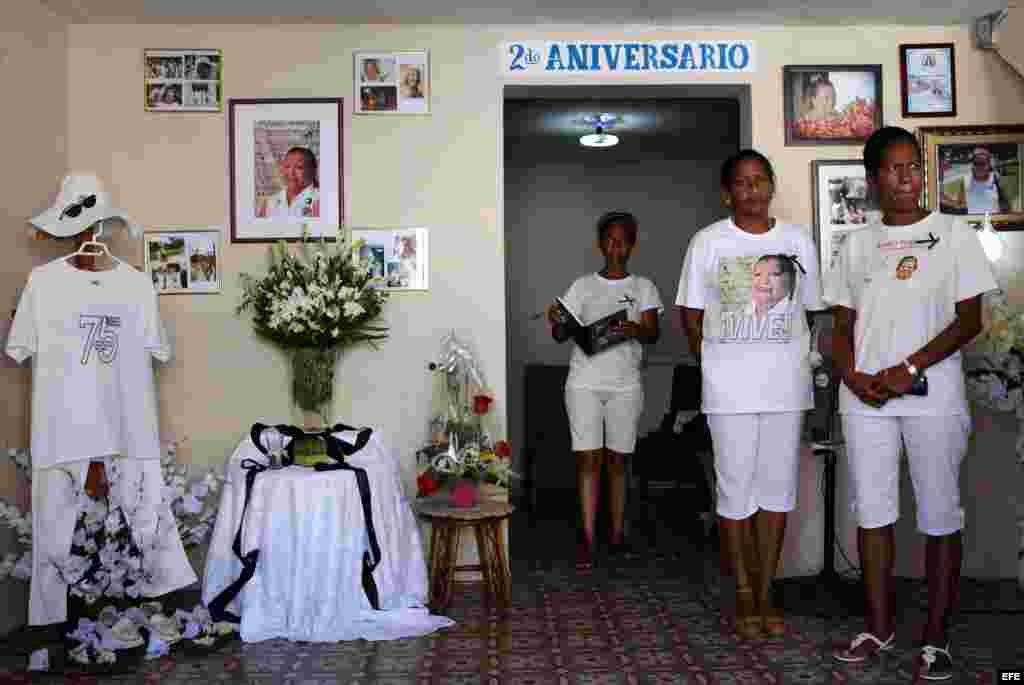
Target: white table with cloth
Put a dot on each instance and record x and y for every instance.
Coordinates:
(311, 535)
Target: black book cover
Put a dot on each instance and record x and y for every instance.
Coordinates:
(596, 336)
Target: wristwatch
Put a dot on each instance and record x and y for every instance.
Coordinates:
(910, 368)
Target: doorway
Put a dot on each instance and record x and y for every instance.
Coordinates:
(665, 168)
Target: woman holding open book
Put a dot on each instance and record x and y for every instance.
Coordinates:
(745, 286)
(610, 314)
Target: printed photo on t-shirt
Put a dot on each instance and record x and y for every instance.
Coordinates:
(758, 295)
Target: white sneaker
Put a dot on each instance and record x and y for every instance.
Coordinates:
(850, 654)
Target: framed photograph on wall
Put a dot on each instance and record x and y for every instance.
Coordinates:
(398, 257)
(974, 170)
(831, 104)
(843, 202)
(182, 80)
(928, 80)
(288, 168)
(392, 82)
(184, 260)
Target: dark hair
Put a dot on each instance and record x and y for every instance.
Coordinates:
(311, 165)
(818, 83)
(879, 143)
(624, 219)
(786, 266)
(730, 164)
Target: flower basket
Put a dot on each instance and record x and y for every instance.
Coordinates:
(488, 468)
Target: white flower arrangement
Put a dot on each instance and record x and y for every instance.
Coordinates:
(319, 298)
(1004, 329)
(106, 560)
(995, 374)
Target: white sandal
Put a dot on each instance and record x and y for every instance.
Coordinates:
(849, 654)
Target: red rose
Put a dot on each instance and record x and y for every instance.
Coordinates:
(425, 484)
(481, 404)
(503, 449)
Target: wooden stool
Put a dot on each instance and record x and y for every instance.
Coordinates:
(447, 523)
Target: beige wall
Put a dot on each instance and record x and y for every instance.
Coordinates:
(33, 79)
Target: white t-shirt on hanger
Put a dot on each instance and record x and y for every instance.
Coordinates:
(904, 289)
(93, 336)
(751, 363)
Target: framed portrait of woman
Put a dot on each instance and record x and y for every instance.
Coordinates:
(289, 171)
(831, 104)
(974, 171)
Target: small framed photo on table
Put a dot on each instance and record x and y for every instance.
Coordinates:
(398, 258)
(928, 80)
(184, 261)
(843, 202)
(838, 104)
(392, 82)
(288, 162)
(183, 80)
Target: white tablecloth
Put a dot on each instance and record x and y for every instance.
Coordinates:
(310, 531)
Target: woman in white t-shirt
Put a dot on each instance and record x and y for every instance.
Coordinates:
(604, 393)
(906, 293)
(746, 285)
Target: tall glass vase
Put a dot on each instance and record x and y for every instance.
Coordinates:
(313, 383)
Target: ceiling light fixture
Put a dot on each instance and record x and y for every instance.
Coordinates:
(599, 138)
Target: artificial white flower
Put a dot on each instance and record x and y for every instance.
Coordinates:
(23, 568)
(192, 504)
(80, 654)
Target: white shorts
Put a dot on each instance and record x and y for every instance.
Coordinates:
(604, 418)
(757, 460)
(935, 445)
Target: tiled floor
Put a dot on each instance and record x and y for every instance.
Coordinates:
(653, 619)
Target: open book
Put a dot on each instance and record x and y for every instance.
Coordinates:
(594, 337)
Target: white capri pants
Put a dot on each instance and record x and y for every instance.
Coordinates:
(757, 461)
(935, 446)
(58, 493)
(604, 418)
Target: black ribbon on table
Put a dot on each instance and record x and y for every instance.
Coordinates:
(336, 450)
(218, 607)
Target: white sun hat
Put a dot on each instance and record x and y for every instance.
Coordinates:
(80, 203)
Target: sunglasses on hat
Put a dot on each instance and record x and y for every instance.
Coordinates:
(75, 208)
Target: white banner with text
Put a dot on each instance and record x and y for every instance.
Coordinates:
(564, 59)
